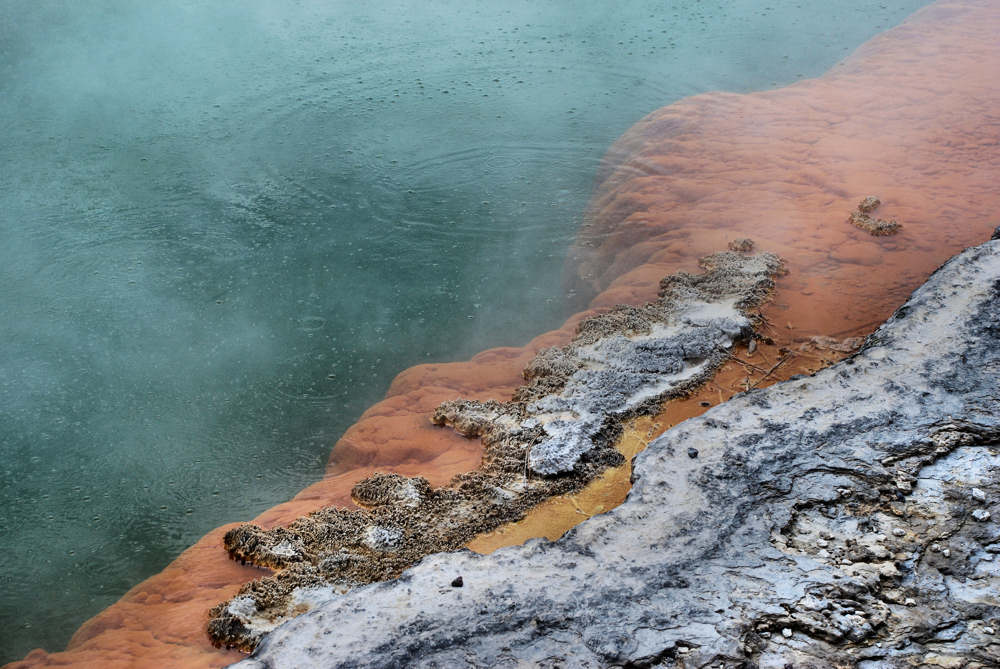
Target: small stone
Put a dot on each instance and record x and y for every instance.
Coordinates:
(706, 404)
(989, 630)
(978, 495)
(982, 515)
(692, 453)
(786, 632)
(765, 635)
(457, 583)
(823, 554)
(910, 601)
(946, 552)
(888, 570)
(822, 543)
(935, 548)
(845, 562)
(898, 532)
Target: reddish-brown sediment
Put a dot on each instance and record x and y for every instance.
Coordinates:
(911, 117)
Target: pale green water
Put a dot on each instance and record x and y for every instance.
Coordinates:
(226, 226)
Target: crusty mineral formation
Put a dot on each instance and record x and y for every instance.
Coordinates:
(847, 519)
(556, 435)
(877, 227)
(910, 115)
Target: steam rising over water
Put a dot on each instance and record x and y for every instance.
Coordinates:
(226, 228)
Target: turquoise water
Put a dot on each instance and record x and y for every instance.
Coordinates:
(226, 226)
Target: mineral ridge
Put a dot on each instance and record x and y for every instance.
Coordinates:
(553, 437)
(843, 519)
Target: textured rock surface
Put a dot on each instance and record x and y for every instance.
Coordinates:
(876, 227)
(910, 116)
(844, 519)
(555, 436)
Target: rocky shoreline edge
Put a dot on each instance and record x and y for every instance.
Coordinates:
(847, 518)
(556, 434)
(910, 116)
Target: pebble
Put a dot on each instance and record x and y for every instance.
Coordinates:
(935, 548)
(786, 632)
(822, 543)
(981, 515)
(692, 453)
(978, 495)
(946, 552)
(989, 630)
(910, 601)
(898, 532)
(888, 570)
(457, 583)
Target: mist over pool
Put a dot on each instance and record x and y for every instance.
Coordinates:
(226, 227)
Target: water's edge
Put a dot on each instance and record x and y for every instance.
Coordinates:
(626, 267)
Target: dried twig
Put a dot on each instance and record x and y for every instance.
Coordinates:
(747, 364)
(783, 360)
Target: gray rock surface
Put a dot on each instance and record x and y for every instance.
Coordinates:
(556, 434)
(827, 521)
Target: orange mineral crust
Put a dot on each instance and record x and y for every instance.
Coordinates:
(910, 118)
(161, 622)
